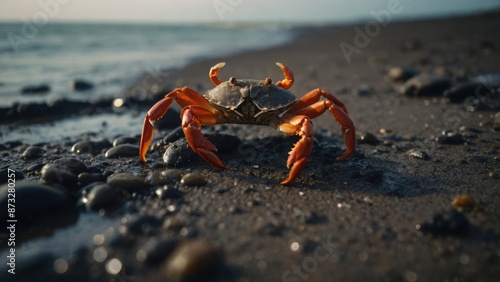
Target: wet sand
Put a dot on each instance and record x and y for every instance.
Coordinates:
(384, 214)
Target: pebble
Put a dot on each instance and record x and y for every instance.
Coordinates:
(460, 92)
(369, 138)
(35, 201)
(165, 177)
(362, 90)
(178, 153)
(155, 251)
(52, 174)
(446, 223)
(35, 89)
(84, 147)
(168, 192)
(174, 135)
(418, 153)
(426, 85)
(122, 151)
(125, 140)
(82, 85)
(193, 179)
(127, 182)
(463, 201)
(101, 197)
(402, 73)
(32, 153)
(193, 260)
(72, 165)
(494, 175)
(171, 119)
(451, 138)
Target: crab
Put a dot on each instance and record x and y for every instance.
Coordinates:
(250, 101)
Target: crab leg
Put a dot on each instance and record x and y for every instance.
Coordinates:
(214, 72)
(192, 118)
(287, 72)
(310, 106)
(297, 159)
(184, 96)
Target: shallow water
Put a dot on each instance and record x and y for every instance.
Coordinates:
(111, 55)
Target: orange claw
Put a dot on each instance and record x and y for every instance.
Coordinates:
(214, 72)
(184, 96)
(191, 116)
(302, 126)
(287, 72)
(155, 113)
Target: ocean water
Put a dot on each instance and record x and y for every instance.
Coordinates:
(111, 56)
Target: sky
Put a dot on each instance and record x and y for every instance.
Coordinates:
(183, 11)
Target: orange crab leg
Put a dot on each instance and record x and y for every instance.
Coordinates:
(214, 72)
(310, 106)
(287, 72)
(184, 96)
(297, 159)
(192, 118)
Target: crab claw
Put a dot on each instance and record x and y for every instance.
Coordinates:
(287, 72)
(302, 126)
(214, 72)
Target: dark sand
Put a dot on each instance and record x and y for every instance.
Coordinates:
(354, 220)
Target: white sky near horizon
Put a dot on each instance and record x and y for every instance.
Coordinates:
(187, 11)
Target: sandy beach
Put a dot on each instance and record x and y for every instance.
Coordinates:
(418, 201)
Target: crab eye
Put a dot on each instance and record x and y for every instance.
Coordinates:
(267, 81)
(232, 80)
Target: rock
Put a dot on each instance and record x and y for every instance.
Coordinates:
(369, 138)
(178, 153)
(127, 182)
(35, 201)
(426, 85)
(125, 140)
(83, 147)
(35, 89)
(463, 201)
(402, 73)
(193, 179)
(450, 137)
(101, 197)
(165, 177)
(461, 92)
(72, 165)
(174, 135)
(122, 151)
(32, 153)
(82, 85)
(418, 153)
(52, 174)
(168, 192)
(155, 251)
(193, 261)
(446, 223)
(171, 119)
(90, 147)
(362, 90)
